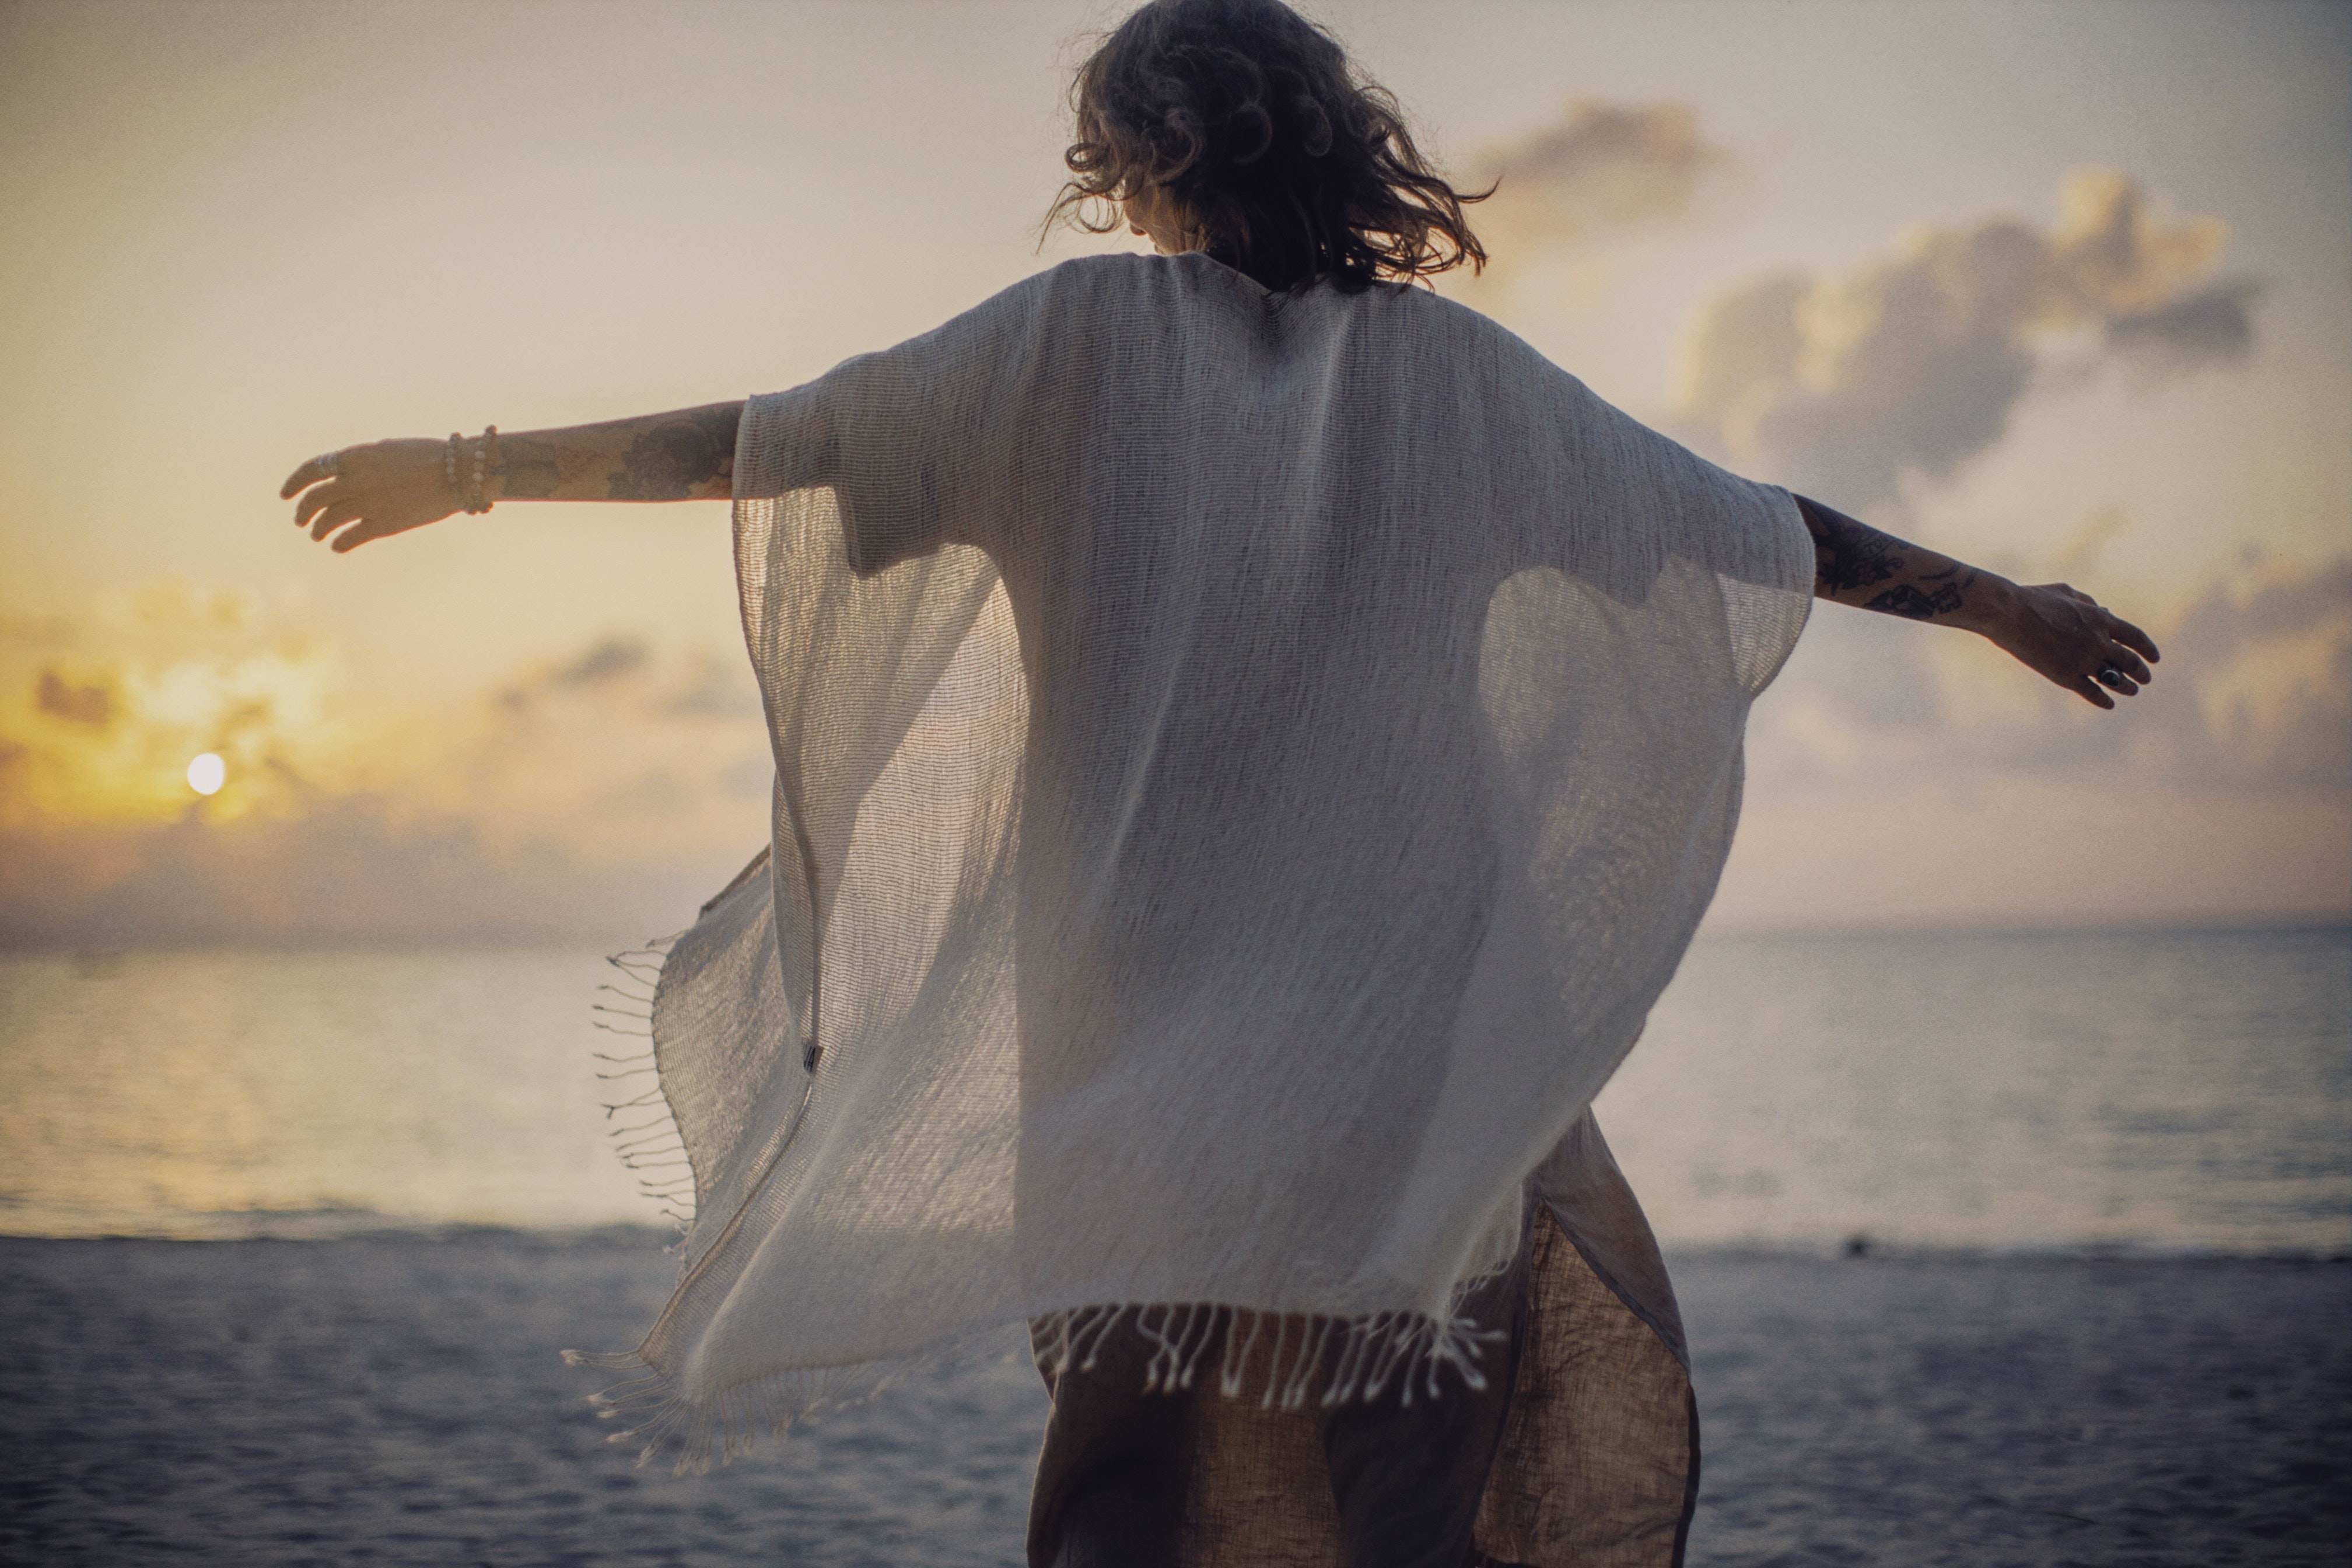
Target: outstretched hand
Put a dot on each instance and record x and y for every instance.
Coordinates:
(2063, 634)
(371, 491)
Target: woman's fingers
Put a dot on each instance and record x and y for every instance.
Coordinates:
(2067, 636)
(332, 493)
(2120, 671)
(371, 491)
(333, 517)
(2089, 691)
(2121, 658)
(2131, 637)
(369, 528)
(318, 468)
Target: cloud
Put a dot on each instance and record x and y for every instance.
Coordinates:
(2268, 660)
(2213, 326)
(1896, 774)
(354, 867)
(92, 704)
(1912, 362)
(595, 792)
(1602, 169)
(714, 689)
(2254, 697)
(605, 661)
(608, 659)
(2079, 548)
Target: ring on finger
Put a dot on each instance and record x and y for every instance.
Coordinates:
(2112, 678)
(325, 462)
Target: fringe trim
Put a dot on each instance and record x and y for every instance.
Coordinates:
(1282, 1360)
(642, 1128)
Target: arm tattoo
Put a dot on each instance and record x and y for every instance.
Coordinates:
(1847, 554)
(1851, 556)
(673, 459)
(1906, 600)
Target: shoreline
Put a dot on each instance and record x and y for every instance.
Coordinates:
(398, 1398)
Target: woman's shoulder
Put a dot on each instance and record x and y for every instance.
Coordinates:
(1125, 273)
(1437, 331)
(1434, 313)
(1128, 274)
(1072, 292)
(1125, 295)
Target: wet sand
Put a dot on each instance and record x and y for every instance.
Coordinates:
(399, 1399)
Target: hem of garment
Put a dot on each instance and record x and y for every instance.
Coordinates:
(641, 1127)
(1368, 1357)
(1284, 1359)
(1690, 1482)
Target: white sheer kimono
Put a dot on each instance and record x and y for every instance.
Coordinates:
(1245, 766)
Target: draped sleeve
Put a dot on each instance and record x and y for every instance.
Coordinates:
(916, 443)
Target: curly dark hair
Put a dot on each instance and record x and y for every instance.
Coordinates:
(1279, 160)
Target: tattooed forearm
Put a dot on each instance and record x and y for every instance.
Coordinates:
(2053, 629)
(1858, 563)
(689, 455)
(677, 458)
(1851, 559)
(1912, 605)
(1848, 554)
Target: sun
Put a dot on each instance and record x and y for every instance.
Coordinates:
(207, 773)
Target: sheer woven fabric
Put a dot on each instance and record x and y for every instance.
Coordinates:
(1245, 765)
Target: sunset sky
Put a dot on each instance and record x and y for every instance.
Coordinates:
(2064, 290)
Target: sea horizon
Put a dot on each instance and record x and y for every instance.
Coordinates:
(2141, 1092)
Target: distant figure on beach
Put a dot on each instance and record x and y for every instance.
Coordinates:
(1253, 739)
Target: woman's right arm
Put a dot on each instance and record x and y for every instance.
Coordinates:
(2055, 630)
(386, 487)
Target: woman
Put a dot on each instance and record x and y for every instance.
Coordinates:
(1252, 741)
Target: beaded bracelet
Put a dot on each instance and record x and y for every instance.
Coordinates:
(477, 502)
(472, 498)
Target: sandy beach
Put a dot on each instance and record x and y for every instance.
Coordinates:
(399, 1399)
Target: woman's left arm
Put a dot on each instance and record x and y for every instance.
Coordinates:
(384, 488)
(2057, 631)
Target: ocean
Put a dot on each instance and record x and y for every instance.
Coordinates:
(2022, 1249)
(2161, 1092)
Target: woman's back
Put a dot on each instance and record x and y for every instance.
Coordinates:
(1366, 715)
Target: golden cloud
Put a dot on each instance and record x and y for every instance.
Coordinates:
(1602, 169)
(591, 790)
(1912, 363)
(92, 704)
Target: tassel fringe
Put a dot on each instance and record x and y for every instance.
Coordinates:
(651, 1146)
(1283, 1360)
